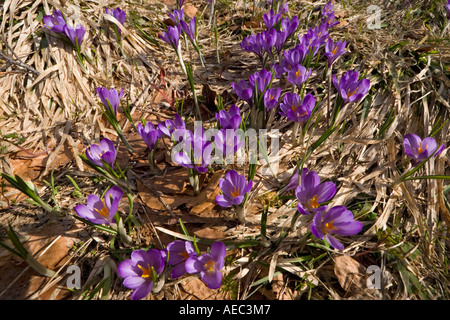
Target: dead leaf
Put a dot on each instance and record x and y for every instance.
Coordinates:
(351, 274)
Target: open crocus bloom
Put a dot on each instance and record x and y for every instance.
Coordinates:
(298, 75)
(179, 251)
(209, 265)
(234, 188)
(104, 151)
(334, 50)
(350, 88)
(295, 109)
(100, 211)
(418, 149)
(137, 272)
(337, 220)
(169, 126)
(311, 193)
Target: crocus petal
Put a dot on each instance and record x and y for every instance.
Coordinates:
(325, 191)
(142, 291)
(334, 242)
(223, 202)
(193, 265)
(134, 282)
(349, 228)
(127, 268)
(178, 271)
(212, 279)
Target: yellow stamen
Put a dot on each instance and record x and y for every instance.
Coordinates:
(210, 266)
(146, 272)
(334, 50)
(420, 150)
(235, 193)
(184, 254)
(329, 226)
(314, 203)
(104, 212)
(294, 108)
(298, 74)
(352, 93)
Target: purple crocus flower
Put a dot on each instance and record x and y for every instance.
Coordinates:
(321, 32)
(169, 126)
(298, 75)
(418, 150)
(290, 25)
(179, 251)
(330, 20)
(118, 14)
(281, 37)
(171, 36)
(110, 98)
(196, 153)
(55, 22)
(271, 97)
(189, 29)
(311, 193)
(447, 6)
(149, 134)
(177, 15)
(350, 88)
(261, 80)
(75, 35)
(271, 19)
(269, 38)
(209, 265)
(105, 151)
(244, 91)
(253, 43)
(327, 9)
(296, 110)
(334, 50)
(100, 211)
(227, 142)
(234, 188)
(337, 220)
(230, 119)
(137, 272)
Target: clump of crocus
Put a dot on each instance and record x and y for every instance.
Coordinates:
(209, 265)
(230, 119)
(110, 98)
(105, 152)
(311, 193)
(337, 220)
(101, 211)
(141, 271)
(418, 150)
(334, 50)
(179, 251)
(350, 88)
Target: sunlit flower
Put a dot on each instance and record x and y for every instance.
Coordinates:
(230, 119)
(55, 22)
(105, 151)
(337, 220)
(418, 150)
(234, 188)
(334, 50)
(110, 96)
(350, 88)
(137, 272)
(209, 265)
(118, 14)
(295, 109)
(178, 252)
(149, 134)
(100, 211)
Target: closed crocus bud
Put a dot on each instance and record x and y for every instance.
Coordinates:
(55, 22)
(118, 14)
(271, 19)
(149, 134)
(171, 36)
(111, 96)
(230, 119)
(75, 34)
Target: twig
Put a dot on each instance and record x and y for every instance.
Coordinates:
(19, 62)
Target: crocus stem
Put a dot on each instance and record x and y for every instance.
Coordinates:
(329, 97)
(151, 162)
(240, 212)
(193, 180)
(294, 134)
